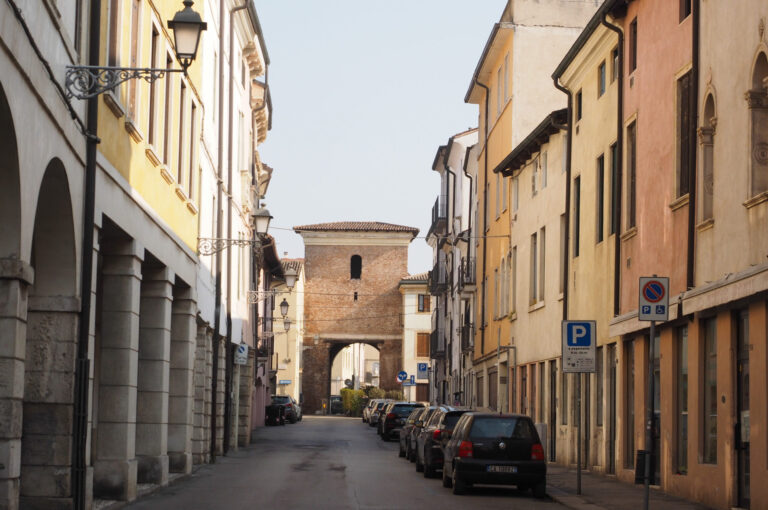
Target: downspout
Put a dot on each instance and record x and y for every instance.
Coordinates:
(451, 214)
(82, 365)
(229, 351)
(619, 174)
(690, 269)
(219, 227)
(568, 152)
(485, 218)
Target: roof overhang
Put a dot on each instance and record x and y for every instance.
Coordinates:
(520, 155)
(493, 48)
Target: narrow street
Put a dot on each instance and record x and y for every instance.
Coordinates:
(323, 462)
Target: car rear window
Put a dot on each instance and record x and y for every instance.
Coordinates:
(404, 409)
(451, 419)
(380, 405)
(506, 427)
(280, 400)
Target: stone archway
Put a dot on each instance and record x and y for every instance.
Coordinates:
(318, 358)
(15, 276)
(358, 375)
(51, 345)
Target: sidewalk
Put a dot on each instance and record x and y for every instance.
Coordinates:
(600, 492)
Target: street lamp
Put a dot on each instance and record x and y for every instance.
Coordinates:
(290, 276)
(284, 308)
(86, 82)
(261, 219)
(187, 25)
(287, 324)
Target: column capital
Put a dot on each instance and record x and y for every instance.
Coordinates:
(15, 269)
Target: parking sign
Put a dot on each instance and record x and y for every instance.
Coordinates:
(653, 304)
(579, 339)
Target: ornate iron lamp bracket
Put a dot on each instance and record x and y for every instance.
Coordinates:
(85, 82)
(209, 245)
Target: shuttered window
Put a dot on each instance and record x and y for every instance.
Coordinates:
(422, 345)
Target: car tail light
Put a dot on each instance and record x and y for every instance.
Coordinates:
(391, 416)
(437, 435)
(465, 449)
(289, 405)
(537, 452)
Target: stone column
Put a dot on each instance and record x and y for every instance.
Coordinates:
(181, 398)
(154, 373)
(245, 401)
(15, 278)
(46, 447)
(202, 383)
(115, 465)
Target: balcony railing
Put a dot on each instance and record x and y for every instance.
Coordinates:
(438, 279)
(467, 274)
(439, 216)
(437, 344)
(467, 337)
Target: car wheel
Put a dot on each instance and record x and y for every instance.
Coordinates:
(447, 482)
(410, 454)
(294, 419)
(384, 437)
(459, 487)
(401, 452)
(540, 489)
(419, 465)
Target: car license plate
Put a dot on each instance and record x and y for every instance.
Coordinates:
(502, 469)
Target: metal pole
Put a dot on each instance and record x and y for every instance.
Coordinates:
(578, 434)
(649, 419)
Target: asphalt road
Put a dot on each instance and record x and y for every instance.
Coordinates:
(323, 462)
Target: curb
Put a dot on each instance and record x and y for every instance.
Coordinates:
(570, 501)
(144, 492)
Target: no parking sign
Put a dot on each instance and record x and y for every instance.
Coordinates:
(654, 299)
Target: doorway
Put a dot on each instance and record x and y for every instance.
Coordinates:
(611, 464)
(742, 406)
(552, 410)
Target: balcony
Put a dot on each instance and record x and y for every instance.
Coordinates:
(437, 344)
(467, 275)
(439, 217)
(438, 279)
(467, 337)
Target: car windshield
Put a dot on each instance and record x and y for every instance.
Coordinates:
(404, 409)
(502, 426)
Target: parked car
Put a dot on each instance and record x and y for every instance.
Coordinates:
(382, 414)
(394, 419)
(368, 409)
(405, 430)
(410, 446)
(274, 414)
(498, 449)
(374, 416)
(292, 409)
(433, 436)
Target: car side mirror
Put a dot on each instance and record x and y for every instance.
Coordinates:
(419, 423)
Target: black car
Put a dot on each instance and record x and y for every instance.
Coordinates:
(433, 436)
(393, 421)
(382, 414)
(405, 430)
(292, 409)
(498, 449)
(410, 444)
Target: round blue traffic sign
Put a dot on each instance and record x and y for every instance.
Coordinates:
(653, 291)
(402, 375)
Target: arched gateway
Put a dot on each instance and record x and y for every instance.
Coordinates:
(351, 295)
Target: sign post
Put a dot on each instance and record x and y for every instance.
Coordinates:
(653, 305)
(579, 347)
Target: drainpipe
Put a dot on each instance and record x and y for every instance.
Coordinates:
(619, 158)
(568, 152)
(690, 269)
(485, 218)
(82, 365)
(229, 351)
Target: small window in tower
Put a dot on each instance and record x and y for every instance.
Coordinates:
(356, 267)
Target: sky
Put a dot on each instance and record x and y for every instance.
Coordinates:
(363, 94)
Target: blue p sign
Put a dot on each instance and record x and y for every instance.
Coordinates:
(579, 334)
